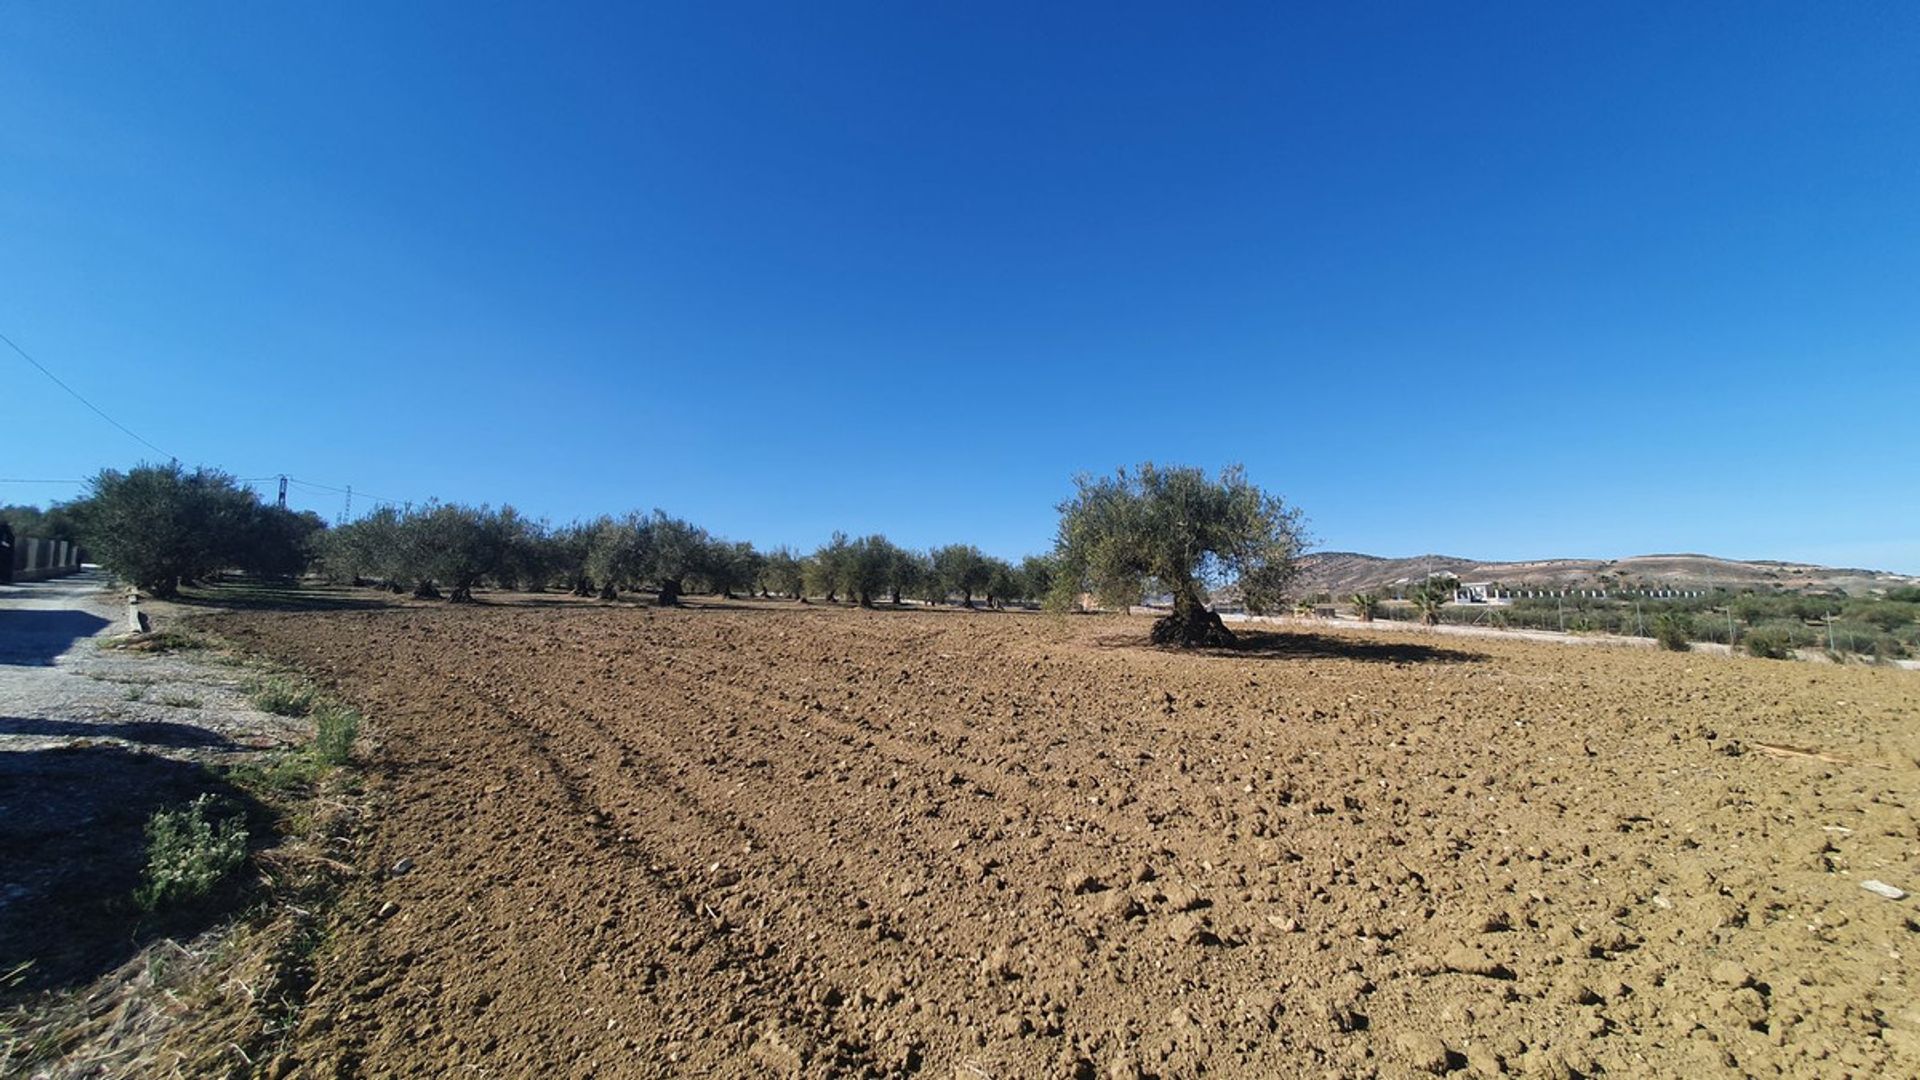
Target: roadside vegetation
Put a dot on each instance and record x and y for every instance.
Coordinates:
(235, 896)
(1867, 628)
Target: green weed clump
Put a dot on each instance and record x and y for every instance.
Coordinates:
(284, 695)
(189, 853)
(334, 727)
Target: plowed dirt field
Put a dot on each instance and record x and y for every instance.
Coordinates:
(765, 840)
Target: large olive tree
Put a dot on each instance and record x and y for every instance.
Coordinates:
(1184, 532)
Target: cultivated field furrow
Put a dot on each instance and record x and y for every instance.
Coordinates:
(770, 839)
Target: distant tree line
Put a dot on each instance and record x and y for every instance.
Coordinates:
(447, 549)
(1161, 530)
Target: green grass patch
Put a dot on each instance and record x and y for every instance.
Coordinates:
(136, 692)
(335, 726)
(284, 695)
(180, 701)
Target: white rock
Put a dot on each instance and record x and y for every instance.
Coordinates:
(1881, 888)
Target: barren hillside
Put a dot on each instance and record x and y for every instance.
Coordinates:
(1342, 572)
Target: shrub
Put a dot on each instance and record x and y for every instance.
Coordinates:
(284, 696)
(1674, 630)
(189, 853)
(1366, 605)
(1769, 643)
(334, 729)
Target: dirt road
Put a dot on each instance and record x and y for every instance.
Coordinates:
(625, 842)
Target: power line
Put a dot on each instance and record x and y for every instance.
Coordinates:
(82, 400)
(343, 491)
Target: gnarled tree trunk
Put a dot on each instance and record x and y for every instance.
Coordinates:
(1191, 625)
(670, 593)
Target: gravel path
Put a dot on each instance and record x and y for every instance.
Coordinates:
(93, 741)
(58, 685)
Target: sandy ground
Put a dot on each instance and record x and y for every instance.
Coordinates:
(769, 841)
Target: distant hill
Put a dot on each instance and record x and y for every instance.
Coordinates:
(1344, 572)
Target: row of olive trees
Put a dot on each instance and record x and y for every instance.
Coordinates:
(161, 526)
(1173, 531)
(451, 547)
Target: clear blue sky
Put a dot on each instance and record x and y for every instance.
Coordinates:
(1489, 280)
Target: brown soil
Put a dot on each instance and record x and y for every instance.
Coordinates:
(771, 840)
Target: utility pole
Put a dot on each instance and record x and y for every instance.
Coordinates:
(347, 512)
(283, 491)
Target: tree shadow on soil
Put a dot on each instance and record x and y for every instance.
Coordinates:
(150, 732)
(1306, 645)
(72, 849)
(258, 596)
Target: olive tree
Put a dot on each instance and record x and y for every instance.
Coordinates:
(1183, 531)
(784, 573)
(961, 569)
(725, 565)
(160, 526)
(1036, 577)
(909, 573)
(827, 568)
(618, 553)
(455, 545)
(868, 567)
(679, 550)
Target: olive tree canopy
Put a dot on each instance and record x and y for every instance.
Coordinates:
(1184, 532)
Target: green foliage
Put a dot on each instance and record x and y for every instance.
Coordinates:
(455, 546)
(276, 544)
(783, 572)
(189, 853)
(60, 521)
(910, 573)
(1365, 605)
(1037, 574)
(335, 726)
(1674, 630)
(826, 568)
(372, 547)
(1177, 527)
(1431, 595)
(678, 549)
(158, 526)
(619, 553)
(724, 566)
(1905, 594)
(284, 695)
(1769, 643)
(961, 568)
(867, 568)
(1003, 582)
